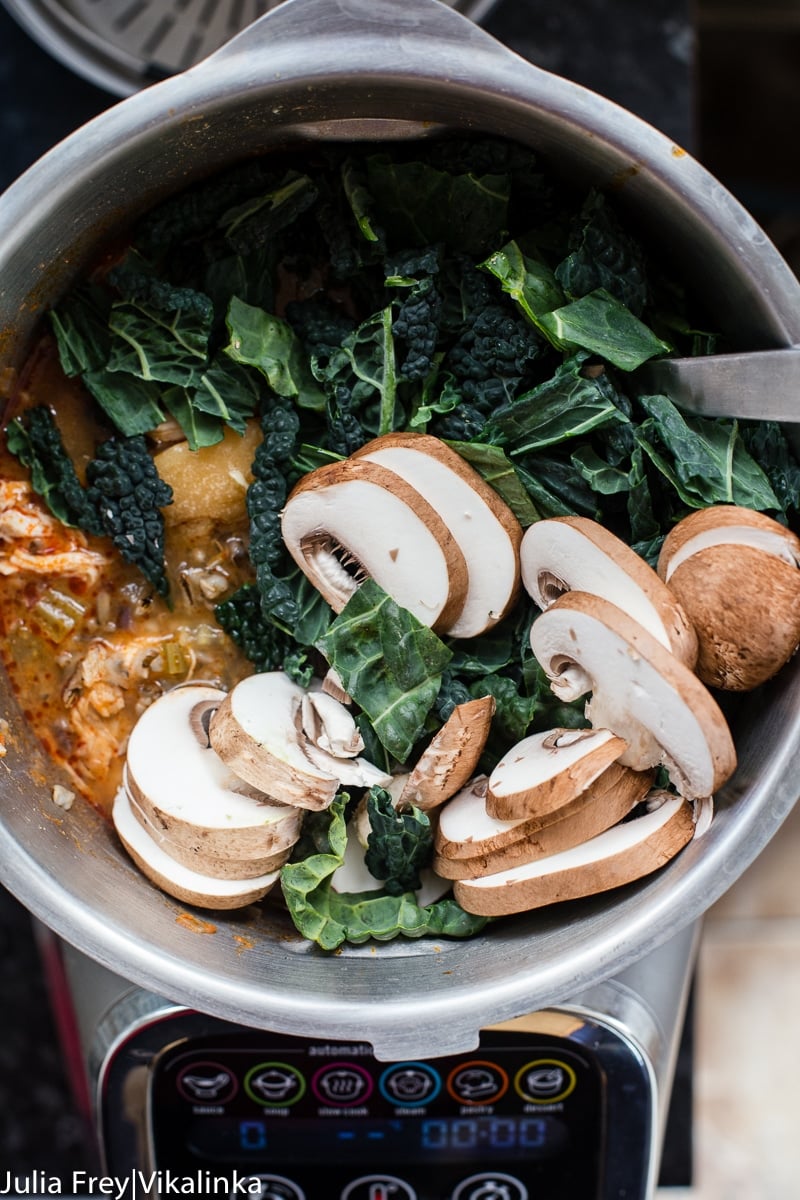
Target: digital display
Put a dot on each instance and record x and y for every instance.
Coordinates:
(524, 1113)
(509, 1137)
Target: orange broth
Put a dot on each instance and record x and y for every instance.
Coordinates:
(87, 650)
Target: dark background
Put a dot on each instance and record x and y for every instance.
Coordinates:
(720, 77)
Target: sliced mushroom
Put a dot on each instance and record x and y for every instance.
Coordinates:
(451, 756)
(329, 725)
(469, 843)
(190, 887)
(192, 852)
(737, 575)
(546, 770)
(626, 852)
(257, 731)
(575, 554)
(483, 525)
(639, 690)
(352, 520)
(186, 792)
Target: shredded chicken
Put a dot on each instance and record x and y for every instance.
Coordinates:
(33, 540)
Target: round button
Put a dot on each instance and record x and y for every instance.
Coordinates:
(545, 1081)
(274, 1084)
(491, 1186)
(410, 1084)
(378, 1187)
(206, 1083)
(477, 1082)
(268, 1187)
(342, 1084)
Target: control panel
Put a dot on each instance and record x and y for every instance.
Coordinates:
(277, 1117)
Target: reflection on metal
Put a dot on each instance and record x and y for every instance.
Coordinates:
(122, 45)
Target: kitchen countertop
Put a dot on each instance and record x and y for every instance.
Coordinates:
(642, 58)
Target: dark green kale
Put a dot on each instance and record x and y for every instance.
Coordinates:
(266, 645)
(399, 845)
(36, 442)
(418, 315)
(603, 255)
(126, 491)
(320, 324)
(265, 499)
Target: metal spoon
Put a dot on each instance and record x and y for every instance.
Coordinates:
(761, 385)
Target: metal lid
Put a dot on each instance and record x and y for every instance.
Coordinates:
(124, 45)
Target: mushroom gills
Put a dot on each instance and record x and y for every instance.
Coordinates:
(628, 851)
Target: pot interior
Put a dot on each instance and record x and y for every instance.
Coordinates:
(252, 967)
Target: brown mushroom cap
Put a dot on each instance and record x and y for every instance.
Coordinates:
(638, 689)
(622, 854)
(561, 554)
(737, 573)
(351, 520)
(450, 758)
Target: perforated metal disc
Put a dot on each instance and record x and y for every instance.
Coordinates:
(122, 45)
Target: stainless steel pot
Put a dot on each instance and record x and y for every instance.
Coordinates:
(321, 69)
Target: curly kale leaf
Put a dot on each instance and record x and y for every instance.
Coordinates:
(399, 845)
(331, 918)
(419, 313)
(128, 494)
(36, 442)
(603, 255)
(360, 379)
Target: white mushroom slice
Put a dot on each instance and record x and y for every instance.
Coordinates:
(737, 574)
(352, 520)
(470, 843)
(451, 756)
(328, 724)
(627, 852)
(256, 731)
(548, 769)
(639, 690)
(192, 852)
(575, 554)
(350, 772)
(482, 523)
(190, 887)
(186, 791)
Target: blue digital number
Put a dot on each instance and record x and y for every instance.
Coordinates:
(502, 1134)
(252, 1135)
(533, 1133)
(434, 1135)
(464, 1135)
